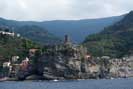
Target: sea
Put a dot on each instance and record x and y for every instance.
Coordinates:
(125, 83)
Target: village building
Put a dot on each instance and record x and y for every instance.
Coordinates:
(24, 64)
(32, 52)
(121, 67)
(15, 59)
(6, 64)
(7, 33)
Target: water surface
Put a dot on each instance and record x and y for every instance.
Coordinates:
(79, 84)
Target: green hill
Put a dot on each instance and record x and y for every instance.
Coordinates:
(14, 46)
(114, 41)
(37, 34)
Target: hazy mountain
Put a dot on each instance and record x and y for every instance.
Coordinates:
(37, 34)
(77, 29)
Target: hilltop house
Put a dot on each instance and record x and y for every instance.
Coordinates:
(7, 33)
(12, 34)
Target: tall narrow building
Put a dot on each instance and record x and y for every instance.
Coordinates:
(66, 40)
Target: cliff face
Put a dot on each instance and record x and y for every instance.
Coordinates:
(64, 62)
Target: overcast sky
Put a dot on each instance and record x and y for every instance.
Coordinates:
(62, 9)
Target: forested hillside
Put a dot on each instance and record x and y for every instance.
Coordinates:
(115, 40)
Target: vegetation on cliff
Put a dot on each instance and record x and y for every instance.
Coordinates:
(114, 41)
(14, 46)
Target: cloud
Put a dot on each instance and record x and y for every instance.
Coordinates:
(62, 9)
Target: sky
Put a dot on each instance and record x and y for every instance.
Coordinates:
(40, 10)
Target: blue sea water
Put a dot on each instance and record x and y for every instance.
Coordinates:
(76, 84)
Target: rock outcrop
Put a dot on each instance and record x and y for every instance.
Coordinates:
(64, 61)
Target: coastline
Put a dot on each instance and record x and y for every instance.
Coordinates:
(55, 80)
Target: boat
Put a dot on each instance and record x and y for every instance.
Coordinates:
(55, 80)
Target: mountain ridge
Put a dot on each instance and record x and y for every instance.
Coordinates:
(61, 27)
